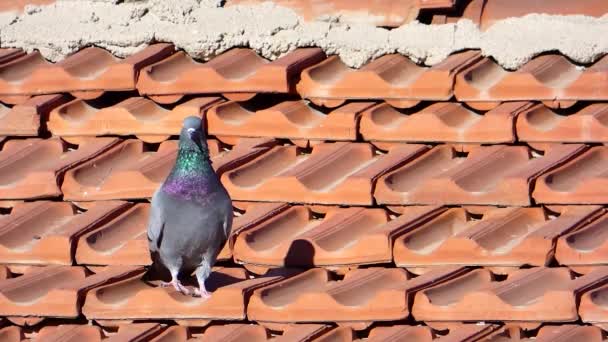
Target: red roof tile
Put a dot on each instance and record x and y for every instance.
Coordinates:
(295, 237)
(235, 71)
(289, 119)
(497, 175)
(547, 77)
(12, 334)
(134, 116)
(537, 294)
(393, 78)
(135, 299)
(594, 306)
(31, 168)
(254, 333)
(585, 246)
(24, 119)
(580, 181)
(70, 333)
(52, 291)
(337, 173)
(542, 124)
(503, 237)
(440, 121)
(363, 296)
(88, 73)
(45, 232)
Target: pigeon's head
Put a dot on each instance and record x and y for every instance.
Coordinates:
(192, 135)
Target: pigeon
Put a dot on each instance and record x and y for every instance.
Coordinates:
(191, 213)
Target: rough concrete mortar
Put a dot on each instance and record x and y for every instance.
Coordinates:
(204, 28)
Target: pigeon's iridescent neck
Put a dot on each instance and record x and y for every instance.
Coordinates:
(192, 175)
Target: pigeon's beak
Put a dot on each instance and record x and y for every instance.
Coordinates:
(195, 136)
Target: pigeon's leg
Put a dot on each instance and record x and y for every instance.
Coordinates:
(202, 273)
(176, 283)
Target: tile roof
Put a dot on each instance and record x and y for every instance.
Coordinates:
(374, 204)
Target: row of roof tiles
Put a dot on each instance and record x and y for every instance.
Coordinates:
(305, 123)
(341, 173)
(166, 75)
(270, 235)
(440, 297)
(236, 332)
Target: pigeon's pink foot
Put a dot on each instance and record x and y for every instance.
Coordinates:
(201, 293)
(177, 285)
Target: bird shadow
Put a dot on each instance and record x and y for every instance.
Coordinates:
(300, 253)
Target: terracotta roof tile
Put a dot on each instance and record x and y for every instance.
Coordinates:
(133, 298)
(295, 237)
(568, 332)
(363, 296)
(580, 181)
(546, 77)
(497, 175)
(44, 232)
(542, 124)
(12, 334)
(384, 13)
(52, 291)
(24, 119)
(134, 116)
(585, 246)
(70, 333)
(289, 119)
(463, 332)
(88, 73)
(118, 241)
(244, 151)
(440, 121)
(139, 332)
(172, 334)
(393, 78)
(18, 5)
(254, 333)
(235, 71)
(337, 173)
(503, 237)
(31, 168)
(594, 306)
(537, 294)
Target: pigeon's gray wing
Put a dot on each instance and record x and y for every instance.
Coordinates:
(156, 224)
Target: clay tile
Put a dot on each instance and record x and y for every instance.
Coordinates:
(542, 124)
(120, 240)
(255, 214)
(594, 306)
(172, 334)
(383, 13)
(585, 246)
(238, 70)
(537, 294)
(441, 121)
(31, 168)
(364, 295)
(19, 5)
(136, 333)
(496, 10)
(134, 298)
(70, 333)
(4, 272)
(126, 171)
(53, 291)
(546, 77)
(254, 333)
(87, 73)
(579, 181)
(390, 77)
(289, 119)
(24, 119)
(8, 54)
(569, 332)
(502, 237)
(12, 334)
(498, 175)
(336, 173)
(243, 152)
(44, 232)
(350, 236)
(134, 116)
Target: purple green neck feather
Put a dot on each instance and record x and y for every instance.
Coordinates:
(192, 174)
